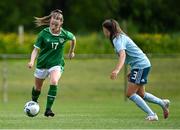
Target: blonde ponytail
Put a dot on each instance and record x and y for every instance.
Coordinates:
(40, 21)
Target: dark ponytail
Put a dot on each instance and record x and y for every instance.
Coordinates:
(113, 27)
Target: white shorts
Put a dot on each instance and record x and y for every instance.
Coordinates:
(44, 73)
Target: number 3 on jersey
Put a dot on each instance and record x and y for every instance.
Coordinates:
(54, 45)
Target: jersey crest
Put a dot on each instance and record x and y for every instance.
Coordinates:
(61, 40)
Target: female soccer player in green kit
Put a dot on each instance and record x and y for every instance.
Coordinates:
(50, 61)
(140, 65)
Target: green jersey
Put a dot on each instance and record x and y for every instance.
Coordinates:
(51, 47)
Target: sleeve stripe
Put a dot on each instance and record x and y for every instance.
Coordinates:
(73, 38)
(36, 47)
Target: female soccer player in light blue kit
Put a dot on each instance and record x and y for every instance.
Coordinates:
(140, 65)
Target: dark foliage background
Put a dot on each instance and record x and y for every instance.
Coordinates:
(152, 16)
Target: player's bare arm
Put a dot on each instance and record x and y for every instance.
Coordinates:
(121, 60)
(72, 48)
(33, 57)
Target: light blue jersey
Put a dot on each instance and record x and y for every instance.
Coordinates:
(134, 55)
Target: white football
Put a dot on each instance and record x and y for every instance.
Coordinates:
(31, 108)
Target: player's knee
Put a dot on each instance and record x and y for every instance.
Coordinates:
(54, 81)
(128, 94)
(140, 94)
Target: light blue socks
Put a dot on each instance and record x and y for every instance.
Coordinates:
(153, 99)
(141, 104)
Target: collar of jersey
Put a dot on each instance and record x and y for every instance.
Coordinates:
(53, 33)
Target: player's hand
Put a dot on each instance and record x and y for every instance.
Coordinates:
(30, 65)
(71, 55)
(114, 74)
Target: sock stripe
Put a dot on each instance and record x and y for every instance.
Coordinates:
(51, 96)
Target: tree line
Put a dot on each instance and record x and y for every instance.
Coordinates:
(81, 16)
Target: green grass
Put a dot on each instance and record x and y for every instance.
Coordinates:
(87, 98)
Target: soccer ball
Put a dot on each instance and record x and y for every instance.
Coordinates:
(31, 108)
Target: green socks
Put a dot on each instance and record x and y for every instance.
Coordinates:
(51, 96)
(35, 94)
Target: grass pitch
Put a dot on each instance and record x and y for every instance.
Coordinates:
(87, 98)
